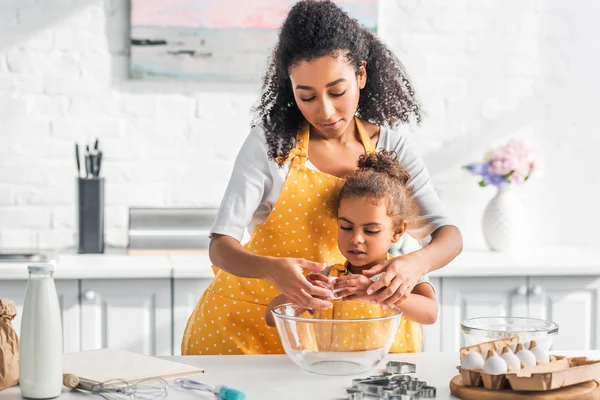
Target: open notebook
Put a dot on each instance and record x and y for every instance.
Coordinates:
(107, 364)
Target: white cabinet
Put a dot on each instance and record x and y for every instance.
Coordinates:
(128, 314)
(15, 290)
(186, 293)
(574, 304)
(463, 298)
(149, 315)
(68, 297)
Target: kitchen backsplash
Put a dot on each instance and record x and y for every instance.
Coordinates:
(484, 69)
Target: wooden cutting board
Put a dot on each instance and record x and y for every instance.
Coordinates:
(103, 365)
(589, 390)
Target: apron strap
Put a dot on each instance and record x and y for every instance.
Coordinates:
(300, 151)
(364, 136)
(301, 148)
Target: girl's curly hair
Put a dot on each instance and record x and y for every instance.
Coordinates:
(314, 29)
(380, 177)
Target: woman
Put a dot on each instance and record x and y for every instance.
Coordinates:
(330, 94)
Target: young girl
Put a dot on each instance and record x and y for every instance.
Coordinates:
(332, 92)
(373, 210)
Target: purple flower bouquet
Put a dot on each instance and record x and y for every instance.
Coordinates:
(512, 163)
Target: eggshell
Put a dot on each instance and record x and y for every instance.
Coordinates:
(540, 354)
(525, 345)
(472, 360)
(512, 361)
(526, 356)
(495, 364)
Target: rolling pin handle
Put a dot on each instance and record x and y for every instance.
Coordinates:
(70, 381)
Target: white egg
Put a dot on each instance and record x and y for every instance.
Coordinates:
(513, 347)
(472, 360)
(527, 358)
(541, 355)
(511, 360)
(495, 364)
(527, 345)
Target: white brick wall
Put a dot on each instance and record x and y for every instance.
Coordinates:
(484, 70)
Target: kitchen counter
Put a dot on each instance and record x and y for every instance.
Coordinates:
(549, 261)
(119, 266)
(276, 377)
(555, 261)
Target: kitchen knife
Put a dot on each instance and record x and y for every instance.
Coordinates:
(77, 160)
(98, 163)
(88, 166)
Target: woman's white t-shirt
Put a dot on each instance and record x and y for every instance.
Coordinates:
(256, 183)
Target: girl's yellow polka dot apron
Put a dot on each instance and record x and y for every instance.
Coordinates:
(367, 336)
(229, 317)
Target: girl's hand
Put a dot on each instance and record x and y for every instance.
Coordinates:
(354, 285)
(400, 277)
(286, 274)
(320, 280)
(277, 301)
(324, 282)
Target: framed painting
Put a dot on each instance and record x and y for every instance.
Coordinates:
(217, 41)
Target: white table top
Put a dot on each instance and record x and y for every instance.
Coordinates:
(276, 377)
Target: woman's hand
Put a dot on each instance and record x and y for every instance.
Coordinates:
(400, 277)
(354, 285)
(286, 274)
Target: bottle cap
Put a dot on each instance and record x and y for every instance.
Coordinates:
(40, 268)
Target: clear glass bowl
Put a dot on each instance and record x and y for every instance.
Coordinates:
(485, 329)
(334, 346)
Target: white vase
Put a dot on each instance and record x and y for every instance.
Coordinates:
(504, 221)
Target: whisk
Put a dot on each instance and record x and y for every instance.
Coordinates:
(146, 389)
(221, 392)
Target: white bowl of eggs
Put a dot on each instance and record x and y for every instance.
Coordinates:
(485, 329)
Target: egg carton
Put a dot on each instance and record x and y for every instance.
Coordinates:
(557, 373)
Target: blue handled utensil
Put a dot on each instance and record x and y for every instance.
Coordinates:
(221, 391)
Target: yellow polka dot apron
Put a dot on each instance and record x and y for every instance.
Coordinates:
(230, 316)
(366, 336)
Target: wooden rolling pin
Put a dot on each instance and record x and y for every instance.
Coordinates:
(73, 382)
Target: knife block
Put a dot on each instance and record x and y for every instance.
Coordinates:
(90, 215)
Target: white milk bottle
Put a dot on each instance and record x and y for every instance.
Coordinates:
(41, 336)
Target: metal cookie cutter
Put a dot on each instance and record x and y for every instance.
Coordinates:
(355, 394)
(383, 375)
(428, 392)
(399, 397)
(357, 381)
(400, 367)
(386, 392)
(401, 379)
(415, 385)
(410, 387)
(374, 387)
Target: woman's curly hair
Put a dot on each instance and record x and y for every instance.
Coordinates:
(380, 177)
(317, 28)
